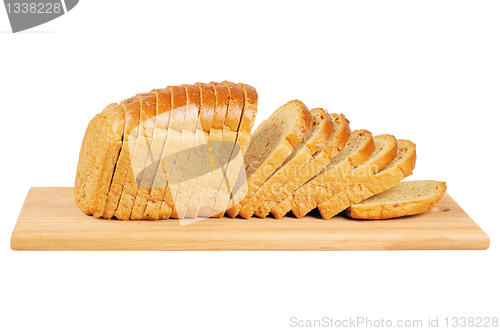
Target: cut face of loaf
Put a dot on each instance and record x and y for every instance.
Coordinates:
(315, 139)
(357, 150)
(320, 159)
(400, 167)
(406, 198)
(271, 144)
(98, 156)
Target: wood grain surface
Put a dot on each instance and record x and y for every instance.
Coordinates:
(50, 220)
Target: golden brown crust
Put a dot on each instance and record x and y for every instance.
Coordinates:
(399, 207)
(207, 101)
(235, 107)
(401, 167)
(250, 110)
(303, 124)
(221, 105)
(132, 121)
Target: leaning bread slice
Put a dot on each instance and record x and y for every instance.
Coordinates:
(359, 148)
(207, 116)
(400, 168)
(172, 148)
(216, 177)
(320, 159)
(99, 153)
(406, 198)
(318, 135)
(139, 158)
(271, 144)
(156, 169)
(132, 108)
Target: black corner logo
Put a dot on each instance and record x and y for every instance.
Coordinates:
(25, 14)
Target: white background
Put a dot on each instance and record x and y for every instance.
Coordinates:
(427, 71)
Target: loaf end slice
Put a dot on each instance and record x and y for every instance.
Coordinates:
(406, 198)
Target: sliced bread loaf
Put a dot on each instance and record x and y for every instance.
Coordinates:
(339, 138)
(359, 148)
(384, 153)
(140, 156)
(99, 153)
(132, 108)
(163, 107)
(406, 198)
(271, 144)
(318, 135)
(400, 167)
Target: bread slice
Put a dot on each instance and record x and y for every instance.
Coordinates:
(401, 167)
(163, 107)
(216, 177)
(318, 135)
(139, 158)
(173, 147)
(384, 153)
(271, 144)
(230, 137)
(99, 153)
(406, 198)
(207, 116)
(132, 109)
(155, 140)
(339, 138)
(357, 150)
(188, 161)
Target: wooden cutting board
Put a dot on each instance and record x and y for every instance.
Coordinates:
(51, 220)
